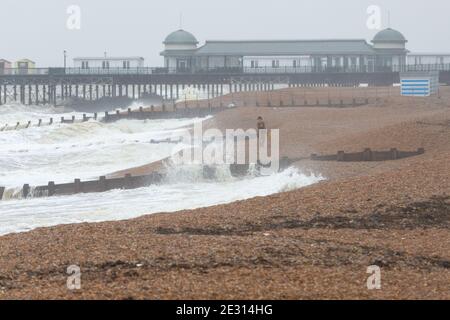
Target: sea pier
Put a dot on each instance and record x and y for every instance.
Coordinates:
(52, 85)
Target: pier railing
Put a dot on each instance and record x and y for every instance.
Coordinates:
(222, 70)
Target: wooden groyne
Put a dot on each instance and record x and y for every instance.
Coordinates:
(108, 117)
(186, 109)
(278, 100)
(368, 155)
(331, 103)
(104, 184)
(101, 185)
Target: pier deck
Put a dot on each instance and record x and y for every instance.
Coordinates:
(50, 85)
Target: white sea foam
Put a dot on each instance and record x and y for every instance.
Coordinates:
(62, 152)
(24, 215)
(15, 112)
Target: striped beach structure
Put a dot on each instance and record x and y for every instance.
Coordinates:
(419, 84)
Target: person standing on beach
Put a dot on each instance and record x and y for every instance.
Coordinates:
(261, 125)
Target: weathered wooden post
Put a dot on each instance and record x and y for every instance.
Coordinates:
(394, 154)
(62, 119)
(127, 181)
(95, 116)
(106, 116)
(51, 121)
(284, 163)
(77, 186)
(2, 191)
(39, 122)
(340, 156)
(51, 188)
(367, 155)
(102, 184)
(25, 191)
(28, 124)
(84, 117)
(73, 119)
(17, 125)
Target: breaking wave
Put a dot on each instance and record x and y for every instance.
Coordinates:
(63, 152)
(24, 215)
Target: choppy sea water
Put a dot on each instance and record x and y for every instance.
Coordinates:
(62, 152)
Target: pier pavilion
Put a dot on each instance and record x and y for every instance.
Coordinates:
(220, 67)
(387, 51)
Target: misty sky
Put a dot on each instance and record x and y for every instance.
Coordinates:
(36, 29)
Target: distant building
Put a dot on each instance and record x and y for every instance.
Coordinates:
(387, 52)
(25, 66)
(5, 66)
(309, 55)
(124, 63)
(438, 59)
(389, 46)
(180, 50)
(388, 49)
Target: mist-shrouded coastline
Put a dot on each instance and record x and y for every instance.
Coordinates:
(62, 152)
